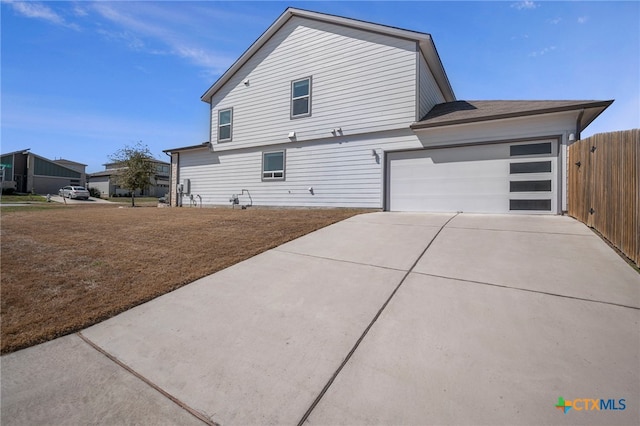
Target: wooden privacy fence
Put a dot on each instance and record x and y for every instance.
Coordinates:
(604, 187)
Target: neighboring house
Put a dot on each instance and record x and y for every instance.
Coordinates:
(107, 183)
(328, 111)
(27, 172)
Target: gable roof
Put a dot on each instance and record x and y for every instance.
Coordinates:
(424, 40)
(461, 112)
(65, 161)
(102, 173)
(20, 151)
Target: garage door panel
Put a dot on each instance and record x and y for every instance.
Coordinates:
(464, 186)
(480, 179)
(448, 204)
(457, 155)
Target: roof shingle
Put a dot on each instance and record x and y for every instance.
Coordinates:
(459, 112)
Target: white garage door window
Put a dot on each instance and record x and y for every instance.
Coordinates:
(498, 178)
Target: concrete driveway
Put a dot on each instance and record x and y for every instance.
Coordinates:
(384, 318)
(91, 200)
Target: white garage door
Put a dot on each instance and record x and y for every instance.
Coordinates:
(497, 178)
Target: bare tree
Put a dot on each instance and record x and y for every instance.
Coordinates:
(135, 168)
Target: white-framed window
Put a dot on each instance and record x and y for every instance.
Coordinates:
(273, 165)
(301, 98)
(225, 124)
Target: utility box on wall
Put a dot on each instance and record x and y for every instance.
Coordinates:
(186, 186)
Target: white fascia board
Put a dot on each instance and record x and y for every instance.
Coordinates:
(582, 115)
(423, 39)
(428, 48)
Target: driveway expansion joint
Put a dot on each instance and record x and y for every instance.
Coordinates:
(528, 290)
(366, 330)
(339, 260)
(195, 413)
(400, 224)
(519, 231)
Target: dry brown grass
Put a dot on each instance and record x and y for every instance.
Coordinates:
(65, 269)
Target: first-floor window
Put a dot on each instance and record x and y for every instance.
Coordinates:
(273, 165)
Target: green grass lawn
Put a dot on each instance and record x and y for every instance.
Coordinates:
(26, 198)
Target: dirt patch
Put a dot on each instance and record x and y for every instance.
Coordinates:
(66, 269)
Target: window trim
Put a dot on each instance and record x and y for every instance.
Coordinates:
(529, 204)
(284, 166)
(292, 98)
(220, 111)
(529, 167)
(520, 150)
(515, 186)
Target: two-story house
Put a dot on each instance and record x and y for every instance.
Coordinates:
(106, 181)
(24, 171)
(328, 111)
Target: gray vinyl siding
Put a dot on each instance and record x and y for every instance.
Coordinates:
(429, 93)
(362, 82)
(342, 172)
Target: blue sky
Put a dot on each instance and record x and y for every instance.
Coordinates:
(82, 79)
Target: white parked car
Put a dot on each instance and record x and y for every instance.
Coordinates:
(73, 191)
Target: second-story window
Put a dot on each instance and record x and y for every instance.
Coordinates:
(225, 120)
(301, 98)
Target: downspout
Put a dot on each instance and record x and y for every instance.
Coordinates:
(178, 200)
(172, 186)
(578, 125)
(170, 175)
(417, 91)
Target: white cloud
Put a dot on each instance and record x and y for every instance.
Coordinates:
(47, 121)
(542, 52)
(129, 39)
(40, 11)
(525, 4)
(136, 30)
(554, 21)
(583, 19)
(145, 27)
(80, 11)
